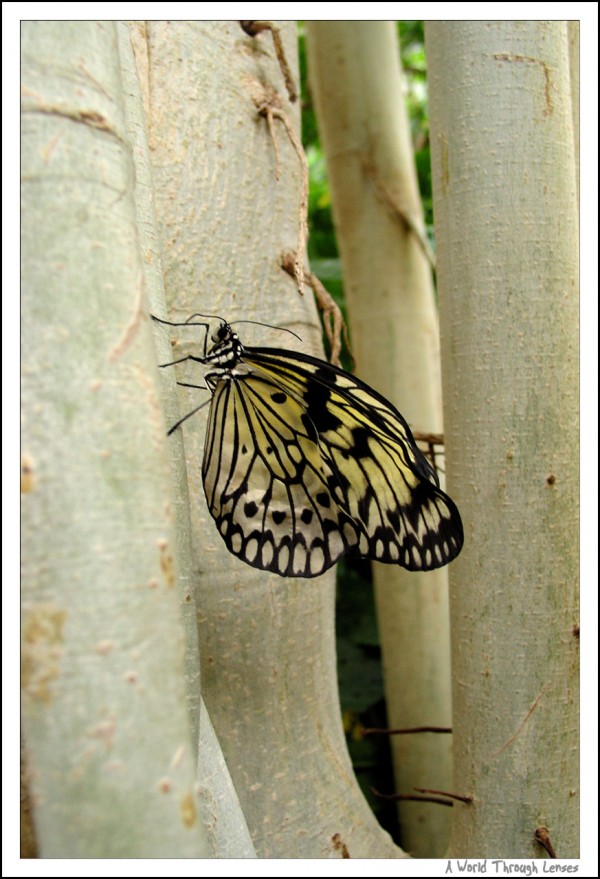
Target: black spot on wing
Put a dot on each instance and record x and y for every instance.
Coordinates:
(316, 398)
(323, 499)
(360, 440)
(250, 509)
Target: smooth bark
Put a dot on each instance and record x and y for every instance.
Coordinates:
(225, 825)
(506, 223)
(268, 655)
(107, 740)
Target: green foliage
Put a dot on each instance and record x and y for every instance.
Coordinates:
(322, 243)
(411, 37)
(359, 664)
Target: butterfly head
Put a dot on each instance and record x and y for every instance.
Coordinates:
(226, 349)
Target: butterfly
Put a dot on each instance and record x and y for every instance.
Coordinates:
(305, 463)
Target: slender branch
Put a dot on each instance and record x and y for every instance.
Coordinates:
(414, 729)
(462, 799)
(412, 797)
(433, 439)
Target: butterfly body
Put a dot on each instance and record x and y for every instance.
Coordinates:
(304, 463)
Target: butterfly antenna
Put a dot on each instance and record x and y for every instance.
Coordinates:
(269, 326)
(188, 322)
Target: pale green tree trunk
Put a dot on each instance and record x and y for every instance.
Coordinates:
(506, 223)
(356, 81)
(109, 757)
(225, 825)
(268, 644)
(574, 64)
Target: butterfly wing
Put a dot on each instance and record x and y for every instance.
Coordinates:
(379, 480)
(265, 481)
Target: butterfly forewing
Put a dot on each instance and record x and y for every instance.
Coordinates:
(378, 476)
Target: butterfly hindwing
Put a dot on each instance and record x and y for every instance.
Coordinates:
(265, 482)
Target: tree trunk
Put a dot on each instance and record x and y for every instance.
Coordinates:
(227, 831)
(574, 64)
(106, 730)
(267, 643)
(506, 221)
(357, 84)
